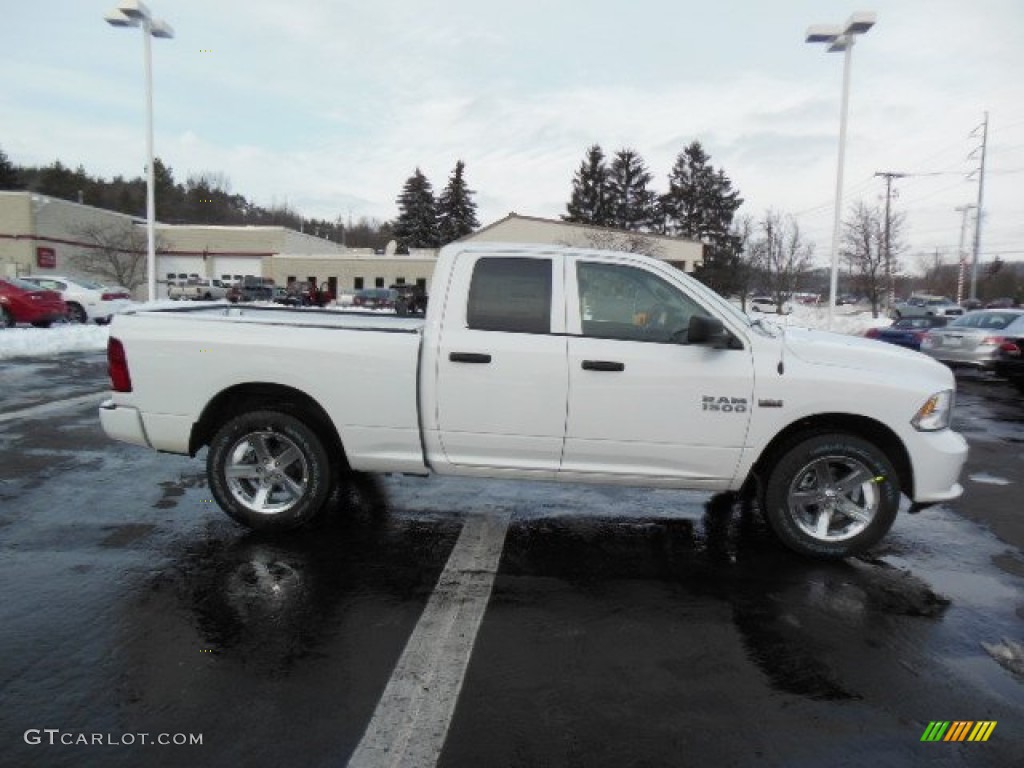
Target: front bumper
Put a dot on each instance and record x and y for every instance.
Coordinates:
(938, 459)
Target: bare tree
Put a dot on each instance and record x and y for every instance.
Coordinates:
(864, 251)
(618, 240)
(749, 262)
(784, 254)
(116, 253)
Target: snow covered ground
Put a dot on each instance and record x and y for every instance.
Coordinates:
(46, 342)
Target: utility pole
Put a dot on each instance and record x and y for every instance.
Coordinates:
(961, 253)
(890, 285)
(980, 208)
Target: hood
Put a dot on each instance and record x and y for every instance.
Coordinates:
(862, 354)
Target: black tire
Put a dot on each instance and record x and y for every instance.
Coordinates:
(6, 320)
(76, 314)
(855, 508)
(42, 324)
(262, 494)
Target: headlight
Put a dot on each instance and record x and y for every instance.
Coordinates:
(936, 412)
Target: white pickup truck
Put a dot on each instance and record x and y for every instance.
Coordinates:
(543, 363)
(198, 290)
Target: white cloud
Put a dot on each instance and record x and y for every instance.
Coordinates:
(330, 106)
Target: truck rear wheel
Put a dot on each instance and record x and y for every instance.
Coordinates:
(269, 471)
(831, 496)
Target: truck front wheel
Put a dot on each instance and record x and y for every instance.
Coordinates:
(269, 471)
(831, 496)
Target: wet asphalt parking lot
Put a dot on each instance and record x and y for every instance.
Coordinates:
(461, 623)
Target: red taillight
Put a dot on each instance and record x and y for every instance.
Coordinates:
(117, 366)
(113, 296)
(1009, 348)
(872, 333)
(991, 341)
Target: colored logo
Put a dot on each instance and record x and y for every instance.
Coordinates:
(958, 730)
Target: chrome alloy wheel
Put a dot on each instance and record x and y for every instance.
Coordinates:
(834, 498)
(266, 472)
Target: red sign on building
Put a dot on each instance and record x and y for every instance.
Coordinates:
(46, 258)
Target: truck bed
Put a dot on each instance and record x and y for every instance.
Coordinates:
(359, 367)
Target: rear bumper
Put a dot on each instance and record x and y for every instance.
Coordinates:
(123, 423)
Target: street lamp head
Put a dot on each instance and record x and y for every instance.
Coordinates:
(162, 29)
(117, 19)
(134, 9)
(859, 23)
(823, 33)
(839, 38)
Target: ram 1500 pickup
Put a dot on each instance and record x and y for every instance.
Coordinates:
(543, 363)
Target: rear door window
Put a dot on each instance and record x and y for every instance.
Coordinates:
(510, 294)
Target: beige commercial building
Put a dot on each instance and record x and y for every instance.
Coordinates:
(40, 234)
(683, 254)
(45, 234)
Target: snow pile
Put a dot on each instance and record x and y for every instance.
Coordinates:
(853, 320)
(45, 342)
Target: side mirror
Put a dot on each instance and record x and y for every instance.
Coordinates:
(704, 329)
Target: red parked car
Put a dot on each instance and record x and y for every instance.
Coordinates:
(25, 302)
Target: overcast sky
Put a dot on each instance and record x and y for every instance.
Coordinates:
(330, 105)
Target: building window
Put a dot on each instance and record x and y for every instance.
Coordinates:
(289, 280)
(399, 281)
(378, 282)
(421, 282)
(357, 284)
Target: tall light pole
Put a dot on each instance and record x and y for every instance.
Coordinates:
(980, 209)
(840, 39)
(132, 13)
(961, 253)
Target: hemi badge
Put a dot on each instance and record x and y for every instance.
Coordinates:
(770, 403)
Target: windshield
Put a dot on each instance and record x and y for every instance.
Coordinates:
(24, 285)
(709, 296)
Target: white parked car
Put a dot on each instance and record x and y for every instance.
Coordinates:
(767, 304)
(88, 301)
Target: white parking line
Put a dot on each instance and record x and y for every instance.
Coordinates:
(410, 724)
(58, 405)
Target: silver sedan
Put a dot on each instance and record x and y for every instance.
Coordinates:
(973, 339)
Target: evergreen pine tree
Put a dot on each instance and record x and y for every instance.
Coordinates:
(416, 226)
(168, 196)
(58, 180)
(632, 206)
(588, 204)
(700, 204)
(456, 211)
(9, 176)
